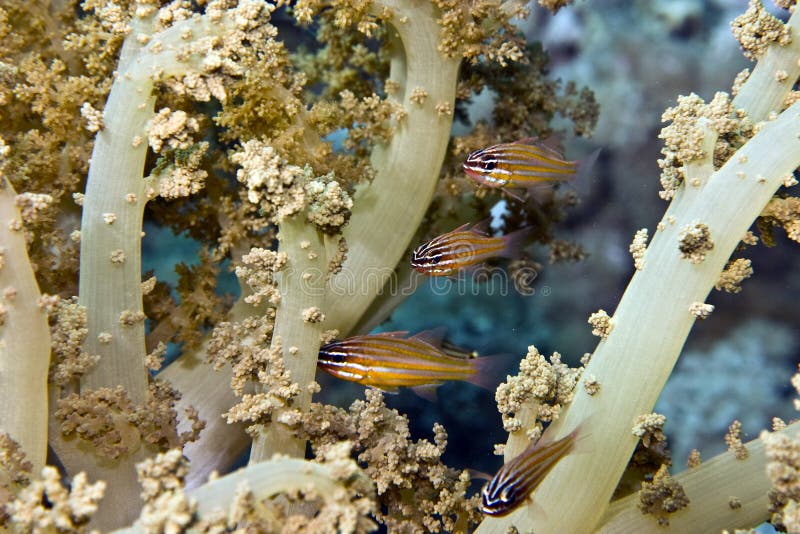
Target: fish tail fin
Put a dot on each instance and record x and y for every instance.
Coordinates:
(585, 165)
(489, 371)
(578, 440)
(581, 435)
(515, 242)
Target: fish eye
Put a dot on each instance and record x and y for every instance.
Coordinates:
(418, 255)
(489, 164)
(436, 258)
(333, 356)
(508, 494)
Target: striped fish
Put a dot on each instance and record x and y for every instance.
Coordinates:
(515, 481)
(463, 248)
(521, 164)
(390, 360)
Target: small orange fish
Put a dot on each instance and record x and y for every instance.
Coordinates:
(390, 360)
(521, 164)
(464, 247)
(515, 481)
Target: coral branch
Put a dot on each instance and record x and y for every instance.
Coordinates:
(113, 208)
(387, 212)
(339, 483)
(710, 488)
(116, 170)
(117, 192)
(208, 391)
(765, 91)
(24, 339)
(302, 287)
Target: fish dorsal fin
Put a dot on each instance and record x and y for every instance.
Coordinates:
(461, 228)
(482, 228)
(434, 336)
(527, 141)
(396, 333)
(552, 152)
(552, 146)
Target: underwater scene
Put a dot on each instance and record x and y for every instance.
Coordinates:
(399, 266)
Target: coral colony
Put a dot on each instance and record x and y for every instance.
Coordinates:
(198, 115)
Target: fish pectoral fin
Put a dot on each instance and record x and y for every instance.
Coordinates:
(514, 195)
(537, 508)
(392, 390)
(472, 270)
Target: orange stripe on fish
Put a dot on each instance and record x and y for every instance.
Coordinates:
(391, 360)
(463, 248)
(514, 482)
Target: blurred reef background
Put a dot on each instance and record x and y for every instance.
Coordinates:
(637, 56)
